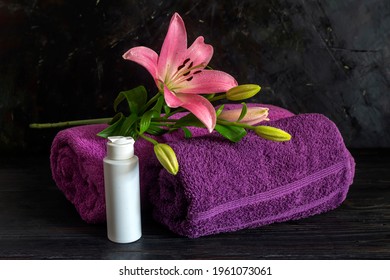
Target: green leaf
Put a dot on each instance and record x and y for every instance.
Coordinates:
(243, 111)
(220, 109)
(146, 119)
(158, 106)
(114, 128)
(167, 109)
(156, 130)
(233, 133)
(136, 98)
(189, 120)
(116, 118)
(187, 132)
(127, 128)
(209, 96)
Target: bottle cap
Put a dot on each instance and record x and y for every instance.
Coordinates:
(120, 147)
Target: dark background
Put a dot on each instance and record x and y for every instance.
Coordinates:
(61, 59)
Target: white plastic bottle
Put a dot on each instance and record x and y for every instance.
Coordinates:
(122, 190)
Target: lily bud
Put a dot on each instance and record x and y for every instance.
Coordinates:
(272, 133)
(167, 157)
(253, 115)
(242, 92)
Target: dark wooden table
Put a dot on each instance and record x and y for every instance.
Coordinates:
(37, 222)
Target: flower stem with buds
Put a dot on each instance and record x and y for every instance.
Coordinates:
(71, 123)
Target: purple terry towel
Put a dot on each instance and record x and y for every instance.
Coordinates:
(223, 186)
(77, 168)
(77, 164)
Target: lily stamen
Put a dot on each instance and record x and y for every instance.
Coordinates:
(178, 76)
(183, 65)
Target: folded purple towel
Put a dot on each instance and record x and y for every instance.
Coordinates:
(223, 186)
(77, 164)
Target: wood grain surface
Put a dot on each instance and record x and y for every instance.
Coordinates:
(37, 222)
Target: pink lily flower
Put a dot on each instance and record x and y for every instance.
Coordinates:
(180, 74)
(254, 115)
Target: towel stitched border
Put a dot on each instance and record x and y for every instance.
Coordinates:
(274, 193)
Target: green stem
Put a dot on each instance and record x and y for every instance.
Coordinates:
(174, 112)
(151, 140)
(70, 123)
(244, 125)
(151, 101)
(218, 97)
(163, 120)
(172, 129)
(162, 124)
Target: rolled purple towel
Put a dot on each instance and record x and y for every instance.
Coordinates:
(77, 168)
(222, 186)
(77, 164)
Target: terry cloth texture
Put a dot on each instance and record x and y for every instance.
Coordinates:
(77, 164)
(224, 186)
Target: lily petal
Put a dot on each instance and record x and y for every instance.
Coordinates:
(256, 115)
(173, 49)
(201, 108)
(171, 99)
(199, 52)
(253, 115)
(207, 81)
(145, 57)
(196, 104)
